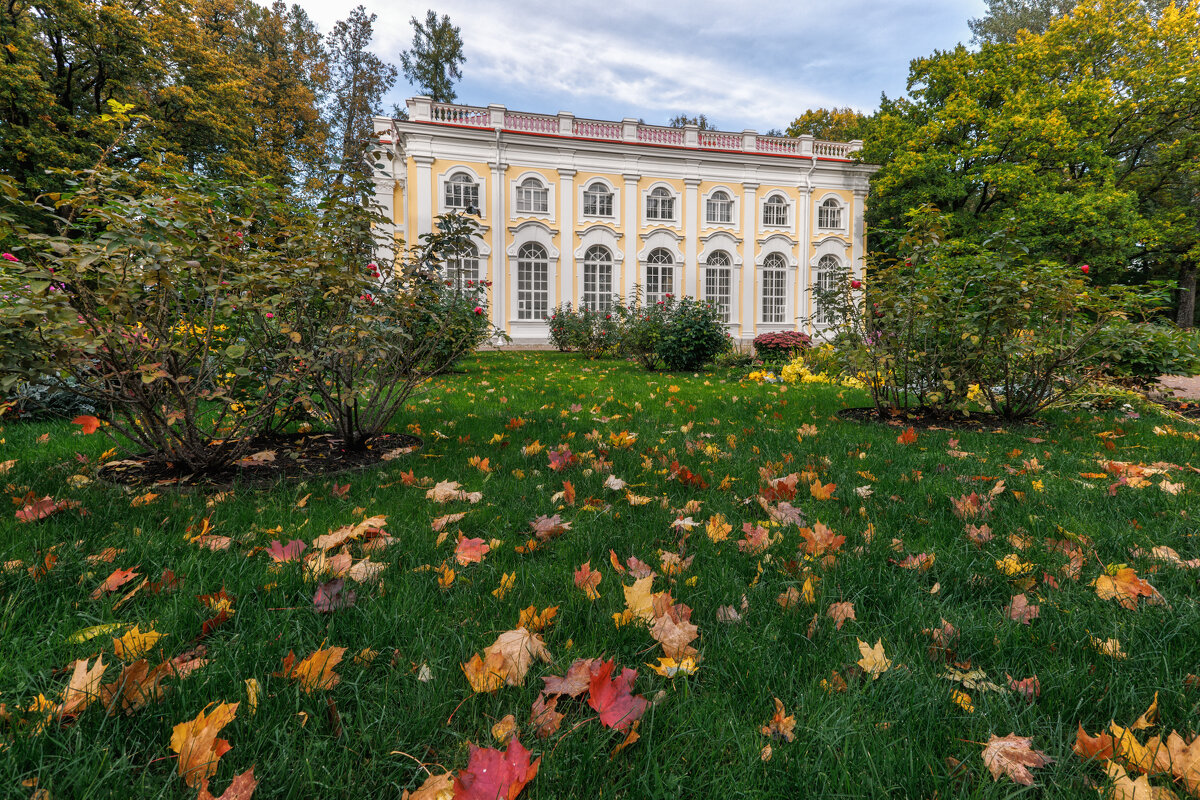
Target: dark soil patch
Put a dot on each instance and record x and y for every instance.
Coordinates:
(283, 456)
(1186, 408)
(930, 418)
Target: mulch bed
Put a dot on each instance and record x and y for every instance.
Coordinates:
(283, 456)
(929, 418)
(1186, 408)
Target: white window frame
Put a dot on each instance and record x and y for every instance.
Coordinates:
(581, 191)
(480, 182)
(532, 193)
(601, 198)
(658, 261)
(771, 213)
(676, 202)
(468, 194)
(735, 218)
(599, 297)
(514, 195)
(717, 262)
(827, 268)
(710, 205)
(774, 271)
(529, 304)
(841, 226)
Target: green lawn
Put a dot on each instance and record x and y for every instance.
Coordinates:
(701, 738)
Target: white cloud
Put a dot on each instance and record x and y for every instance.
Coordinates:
(741, 64)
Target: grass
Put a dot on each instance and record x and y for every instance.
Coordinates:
(889, 736)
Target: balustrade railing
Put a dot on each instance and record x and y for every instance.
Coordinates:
(461, 115)
(658, 135)
(421, 109)
(534, 123)
(595, 129)
(720, 141)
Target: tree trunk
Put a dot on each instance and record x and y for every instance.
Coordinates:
(1185, 315)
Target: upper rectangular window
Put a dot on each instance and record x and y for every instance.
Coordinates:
(461, 191)
(719, 209)
(775, 210)
(829, 215)
(660, 205)
(597, 201)
(532, 197)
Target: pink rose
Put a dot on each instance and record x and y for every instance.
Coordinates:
(856, 284)
(478, 310)
(10, 257)
(1084, 269)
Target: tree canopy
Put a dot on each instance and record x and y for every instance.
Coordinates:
(432, 63)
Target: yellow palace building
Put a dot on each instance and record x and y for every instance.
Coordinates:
(582, 211)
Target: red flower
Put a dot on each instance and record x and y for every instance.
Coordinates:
(856, 284)
(1084, 269)
(478, 310)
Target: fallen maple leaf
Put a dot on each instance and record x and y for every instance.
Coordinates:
(908, 437)
(674, 635)
(531, 619)
(491, 775)
(1013, 756)
(874, 661)
(575, 682)
(83, 687)
(136, 686)
(1099, 747)
(781, 726)
(639, 598)
(1126, 587)
(1029, 688)
(718, 529)
(546, 528)
(520, 648)
(485, 674)
(116, 580)
(134, 644)
(240, 788)
(612, 697)
(822, 491)
(756, 539)
(40, 509)
(291, 551)
(315, 671)
(587, 580)
(840, 612)
(441, 522)
(87, 423)
(545, 716)
(819, 540)
(332, 596)
(1122, 787)
(197, 744)
(470, 551)
(447, 491)
(1020, 610)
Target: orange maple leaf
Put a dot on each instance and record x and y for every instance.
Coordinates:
(782, 725)
(822, 491)
(587, 580)
(908, 437)
(197, 744)
(1126, 587)
(470, 551)
(87, 423)
(315, 671)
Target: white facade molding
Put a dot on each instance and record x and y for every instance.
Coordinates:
(600, 235)
(831, 246)
(661, 238)
(444, 177)
(734, 199)
(778, 243)
(721, 241)
(533, 231)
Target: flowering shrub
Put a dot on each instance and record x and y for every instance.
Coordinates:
(695, 334)
(949, 315)
(780, 345)
(592, 332)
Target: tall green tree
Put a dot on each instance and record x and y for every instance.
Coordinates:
(432, 63)
(358, 81)
(833, 124)
(1007, 18)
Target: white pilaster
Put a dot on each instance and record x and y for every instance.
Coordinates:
(749, 315)
(632, 204)
(566, 267)
(424, 194)
(856, 233)
(691, 225)
(499, 255)
(804, 274)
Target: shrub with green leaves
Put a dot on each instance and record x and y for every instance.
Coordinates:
(593, 332)
(1139, 352)
(949, 315)
(695, 334)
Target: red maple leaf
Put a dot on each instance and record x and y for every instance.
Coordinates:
(286, 552)
(613, 699)
(491, 774)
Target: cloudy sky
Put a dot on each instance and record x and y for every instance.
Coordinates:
(744, 64)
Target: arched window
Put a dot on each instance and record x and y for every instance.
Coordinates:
(829, 215)
(718, 278)
(533, 281)
(532, 197)
(827, 270)
(660, 275)
(719, 208)
(774, 289)
(461, 191)
(463, 268)
(660, 205)
(597, 278)
(775, 210)
(597, 201)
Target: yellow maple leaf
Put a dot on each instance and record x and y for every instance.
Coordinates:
(135, 644)
(717, 528)
(874, 661)
(197, 744)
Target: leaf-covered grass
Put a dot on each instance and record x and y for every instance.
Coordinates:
(889, 736)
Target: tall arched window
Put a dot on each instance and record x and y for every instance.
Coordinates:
(532, 197)
(533, 281)
(461, 191)
(463, 268)
(718, 278)
(597, 200)
(660, 205)
(660, 275)
(597, 278)
(775, 210)
(827, 270)
(829, 215)
(774, 289)
(718, 208)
